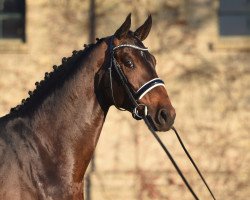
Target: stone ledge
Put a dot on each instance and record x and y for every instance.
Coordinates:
(233, 42)
(13, 46)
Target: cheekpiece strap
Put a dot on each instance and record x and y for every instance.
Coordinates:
(143, 90)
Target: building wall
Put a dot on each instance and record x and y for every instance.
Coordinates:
(208, 87)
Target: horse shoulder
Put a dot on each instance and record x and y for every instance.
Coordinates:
(15, 175)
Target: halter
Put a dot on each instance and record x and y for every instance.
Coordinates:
(134, 96)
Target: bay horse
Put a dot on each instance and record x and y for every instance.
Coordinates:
(47, 142)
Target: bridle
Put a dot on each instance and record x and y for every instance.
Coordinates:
(134, 96)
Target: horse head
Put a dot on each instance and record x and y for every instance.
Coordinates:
(132, 66)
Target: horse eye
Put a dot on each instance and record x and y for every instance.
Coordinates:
(129, 64)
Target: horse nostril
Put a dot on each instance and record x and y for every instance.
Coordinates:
(166, 117)
(163, 116)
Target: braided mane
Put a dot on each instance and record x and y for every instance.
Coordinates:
(52, 80)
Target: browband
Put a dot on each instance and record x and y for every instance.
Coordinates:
(131, 46)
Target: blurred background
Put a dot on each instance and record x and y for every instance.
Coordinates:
(202, 49)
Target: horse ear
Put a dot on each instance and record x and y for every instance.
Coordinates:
(143, 31)
(123, 30)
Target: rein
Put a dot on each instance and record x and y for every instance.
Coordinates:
(134, 96)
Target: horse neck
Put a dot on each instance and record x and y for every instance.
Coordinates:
(69, 121)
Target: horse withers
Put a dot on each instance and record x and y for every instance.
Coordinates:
(47, 142)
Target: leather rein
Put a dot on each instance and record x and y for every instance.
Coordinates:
(134, 96)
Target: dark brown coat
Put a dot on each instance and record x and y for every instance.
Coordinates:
(47, 143)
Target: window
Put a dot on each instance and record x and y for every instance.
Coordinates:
(12, 19)
(233, 25)
(234, 17)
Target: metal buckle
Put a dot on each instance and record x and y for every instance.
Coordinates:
(140, 111)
